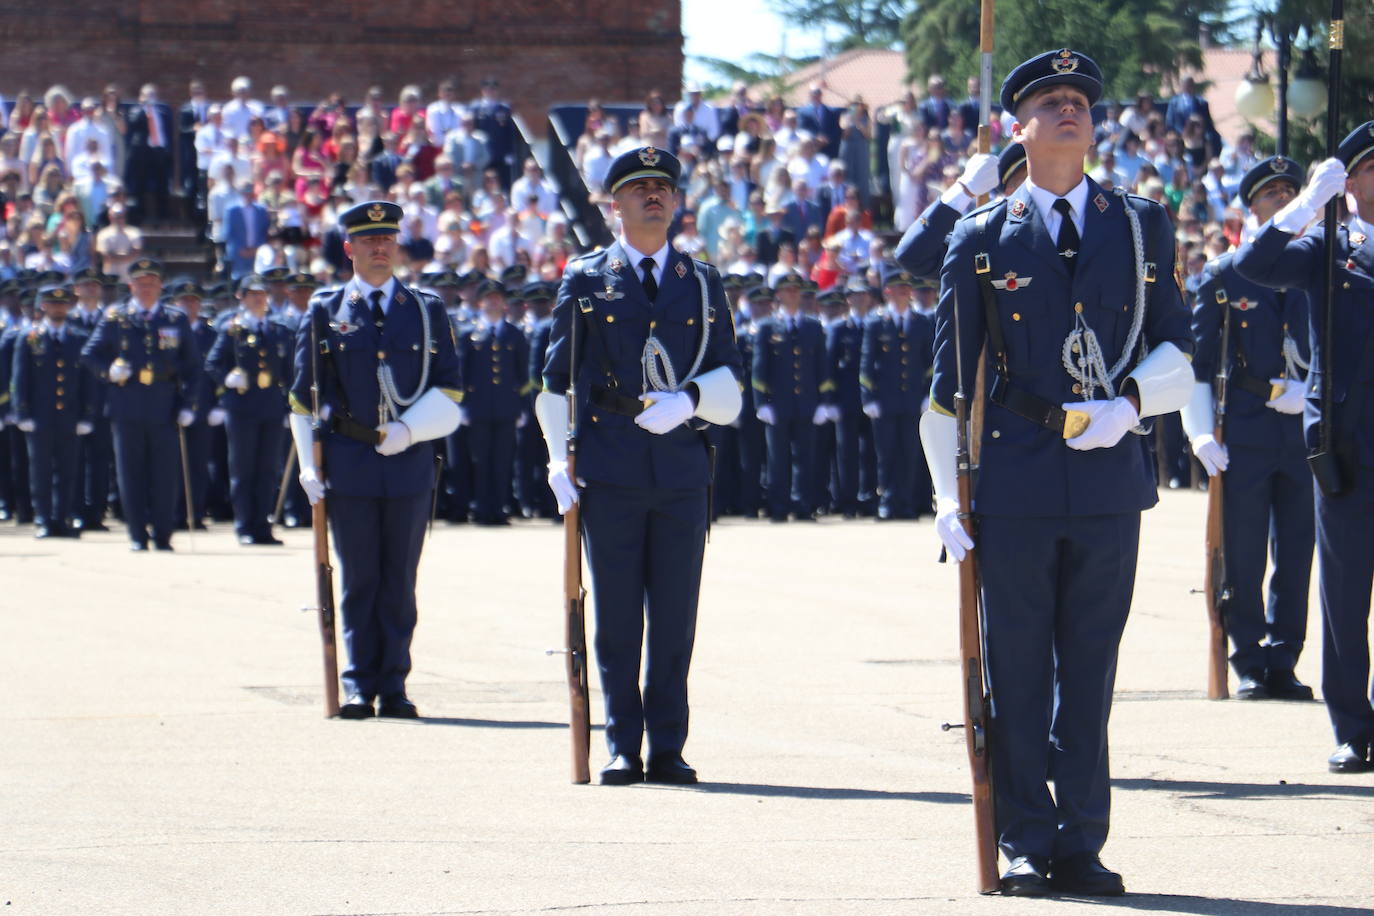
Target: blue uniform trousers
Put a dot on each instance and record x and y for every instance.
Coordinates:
(52, 472)
(846, 478)
(752, 457)
(1345, 550)
(254, 471)
(491, 444)
(644, 550)
(218, 504)
(898, 443)
(791, 453)
(727, 468)
(1268, 507)
(457, 475)
(378, 544)
(95, 451)
(822, 462)
(868, 466)
(295, 505)
(148, 464)
(1056, 594)
(198, 468)
(20, 503)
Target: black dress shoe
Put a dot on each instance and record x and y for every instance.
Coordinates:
(1283, 684)
(95, 526)
(670, 769)
(266, 540)
(138, 546)
(1085, 875)
(623, 770)
(1351, 757)
(1251, 687)
(356, 706)
(200, 526)
(397, 706)
(1025, 877)
(164, 546)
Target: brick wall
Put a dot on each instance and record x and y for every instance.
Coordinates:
(543, 51)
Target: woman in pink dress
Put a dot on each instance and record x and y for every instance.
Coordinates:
(309, 163)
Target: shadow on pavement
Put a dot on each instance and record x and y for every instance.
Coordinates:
(1205, 789)
(767, 791)
(1213, 906)
(489, 723)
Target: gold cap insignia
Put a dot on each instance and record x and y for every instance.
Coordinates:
(1065, 62)
(1279, 164)
(376, 213)
(649, 156)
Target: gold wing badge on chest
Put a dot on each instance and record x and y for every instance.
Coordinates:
(1011, 282)
(609, 294)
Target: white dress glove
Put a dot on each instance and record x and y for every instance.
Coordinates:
(1328, 180)
(216, 416)
(84, 427)
(832, 413)
(236, 379)
(520, 421)
(119, 373)
(463, 419)
(980, 174)
(951, 529)
(1211, 453)
(821, 416)
(766, 415)
(311, 484)
(1108, 422)
(669, 410)
(1291, 401)
(872, 410)
(185, 417)
(26, 426)
(564, 490)
(395, 439)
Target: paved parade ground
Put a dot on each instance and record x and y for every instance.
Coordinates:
(164, 750)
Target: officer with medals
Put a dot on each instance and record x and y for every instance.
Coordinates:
(657, 360)
(1267, 505)
(389, 385)
(250, 363)
(1285, 253)
(1071, 289)
(922, 248)
(52, 404)
(894, 363)
(148, 353)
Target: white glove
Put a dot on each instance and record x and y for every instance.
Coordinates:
(1211, 453)
(286, 420)
(216, 416)
(395, 439)
(463, 419)
(872, 410)
(26, 426)
(520, 421)
(821, 416)
(1108, 422)
(119, 372)
(670, 409)
(84, 427)
(1328, 180)
(951, 529)
(980, 174)
(564, 490)
(832, 413)
(311, 484)
(925, 404)
(185, 417)
(236, 379)
(9, 420)
(1291, 401)
(766, 415)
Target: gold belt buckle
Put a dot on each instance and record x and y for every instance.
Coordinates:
(145, 375)
(1075, 423)
(1277, 391)
(264, 379)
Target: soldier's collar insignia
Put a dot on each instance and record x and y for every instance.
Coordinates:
(1101, 203)
(681, 270)
(1011, 282)
(1065, 62)
(616, 263)
(355, 297)
(1018, 208)
(399, 297)
(1357, 238)
(376, 213)
(1279, 165)
(649, 156)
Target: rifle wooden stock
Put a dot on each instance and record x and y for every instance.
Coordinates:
(575, 640)
(324, 594)
(1217, 592)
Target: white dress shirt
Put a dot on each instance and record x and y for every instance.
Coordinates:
(1044, 202)
(660, 260)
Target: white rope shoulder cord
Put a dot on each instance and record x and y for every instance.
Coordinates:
(391, 399)
(657, 367)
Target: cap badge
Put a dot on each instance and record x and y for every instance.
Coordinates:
(649, 156)
(1065, 62)
(1279, 165)
(376, 213)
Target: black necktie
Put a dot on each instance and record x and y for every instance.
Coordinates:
(1068, 233)
(650, 285)
(378, 316)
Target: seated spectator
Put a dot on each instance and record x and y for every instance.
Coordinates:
(853, 241)
(416, 150)
(93, 191)
(785, 262)
(233, 156)
(957, 135)
(702, 115)
(1195, 147)
(655, 121)
(88, 128)
(828, 269)
(22, 112)
(1177, 190)
(466, 147)
(770, 238)
(838, 217)
(597, 160)
(1129, 160)
(267, 150)
(809, 164)
(118, 244)
(687, 132)
(29, 139)
(10, 162)
(48, 188)
(774, 111)
(533, 182)
(45, 156)
(689, 240)
(407, 112)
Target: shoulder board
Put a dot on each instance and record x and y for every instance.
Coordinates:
(600, 252)
(988, 207)
(1217, 265)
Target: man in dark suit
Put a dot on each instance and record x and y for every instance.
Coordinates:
(773, 236)
(190, 117)
(245, 228)
(802, 213)
(383, 167)
(821, 120)
(1186, 104)
(493, 118)
(934, 108)
(148, 161)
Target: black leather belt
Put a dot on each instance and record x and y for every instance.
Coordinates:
(1247, 382)
(609, 399)
(1032, 407)
(347, 426)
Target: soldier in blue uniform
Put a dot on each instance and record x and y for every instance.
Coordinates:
(389, 381)
(1268, 506)
(95, 451)
(494, 358)
(300, 287)
(897, 352)
(1283, 255)
(753, 443)
(250, 363)
(53, 406)
(14, 456)
(186, 296)
(792, 390)
(844, 348)
(922, 248)
(539, 319)
(148, 353)
(657, 359)
(1070, 288)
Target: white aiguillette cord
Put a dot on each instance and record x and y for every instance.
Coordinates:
(655, 353)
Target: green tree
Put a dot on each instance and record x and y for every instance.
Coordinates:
(755, 68)
(1137, 42)
(860, 23)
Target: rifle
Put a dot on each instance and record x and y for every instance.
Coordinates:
(574, 595)
(1215, 586)
(186, 487)
(986, 45)
(324, 573)
(977, 700)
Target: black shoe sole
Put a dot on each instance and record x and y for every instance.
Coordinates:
(1352, 767)
(1016, 888)
(387, 712)
(1087, 890)
(621, 778)
(354, 711)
